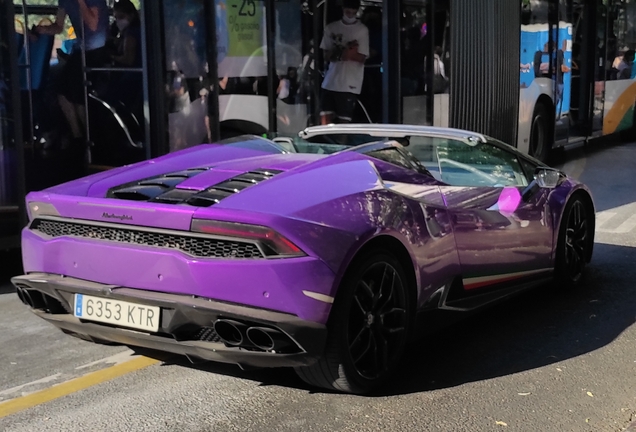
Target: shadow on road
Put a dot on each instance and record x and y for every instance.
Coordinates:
(592, 147)
(538, 328)
(10, 265)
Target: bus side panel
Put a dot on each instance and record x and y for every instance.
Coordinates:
(528, 98)
(618, 114)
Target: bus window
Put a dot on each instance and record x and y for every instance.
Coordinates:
(371, 96)
(414, 37)
(621, 42)
(620, 70)
(242, 67)
(186, 86)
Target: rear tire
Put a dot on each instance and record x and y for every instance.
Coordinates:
(540, 141)
(368, 328)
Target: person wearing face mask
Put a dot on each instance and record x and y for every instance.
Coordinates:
(346, 47)
(626, 66)
(127, 20)
(126, 87)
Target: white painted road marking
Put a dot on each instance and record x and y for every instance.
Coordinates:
(74, 385)
(26, 388)
(29, 384)
(602, 218)
(616, 215)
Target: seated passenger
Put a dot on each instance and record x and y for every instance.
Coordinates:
(625, 66)
(128, 53)
(288, 86)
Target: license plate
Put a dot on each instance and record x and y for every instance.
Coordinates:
(117, 312)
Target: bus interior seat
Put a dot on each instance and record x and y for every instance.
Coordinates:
(40, 53)
(19, 41)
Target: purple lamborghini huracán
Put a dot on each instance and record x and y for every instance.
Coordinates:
(319, 252)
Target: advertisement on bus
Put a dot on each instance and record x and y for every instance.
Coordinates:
(241, 38)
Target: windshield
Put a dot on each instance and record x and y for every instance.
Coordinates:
(450, 161)
(331, 143)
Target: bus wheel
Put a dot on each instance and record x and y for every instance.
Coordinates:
(539, 137)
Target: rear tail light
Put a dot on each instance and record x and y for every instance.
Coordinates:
(35, 209)
(272, 243)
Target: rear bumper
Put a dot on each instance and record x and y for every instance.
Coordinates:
(270, 284)
(186, 326)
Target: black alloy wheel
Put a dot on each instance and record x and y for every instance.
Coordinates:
(368, 330)
(575, 242)
(376, 324)
(539, 142)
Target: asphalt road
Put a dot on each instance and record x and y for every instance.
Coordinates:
(549, 360)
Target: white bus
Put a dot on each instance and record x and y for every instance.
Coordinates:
(539, 74)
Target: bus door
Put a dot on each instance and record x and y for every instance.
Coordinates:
(425, 62)
(369, 106)
(12, 215)
(587, 67)
(111, 130)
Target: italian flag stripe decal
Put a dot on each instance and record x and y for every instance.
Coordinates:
(482, 281)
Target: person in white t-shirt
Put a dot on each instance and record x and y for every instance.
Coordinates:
(346, 47)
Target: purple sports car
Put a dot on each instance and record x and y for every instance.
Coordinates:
(319, 253)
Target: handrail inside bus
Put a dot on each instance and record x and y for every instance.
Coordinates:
(36, 10)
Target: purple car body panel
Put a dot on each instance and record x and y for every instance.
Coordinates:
(262, 284)
(483, 233)
(342, 214)
(328, 206)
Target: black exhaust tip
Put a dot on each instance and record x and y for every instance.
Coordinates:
(27, 298)
(230, 331)
(34, 298)
(261, 338)
(21, 295)
(268, 339)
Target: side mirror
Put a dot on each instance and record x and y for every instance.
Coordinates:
(547, 178)
(544, 178)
